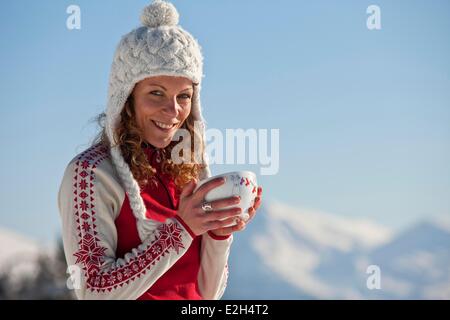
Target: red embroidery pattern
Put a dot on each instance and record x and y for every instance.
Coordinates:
(90, 254)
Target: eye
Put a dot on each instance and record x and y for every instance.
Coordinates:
(184, 96)
(157, 93)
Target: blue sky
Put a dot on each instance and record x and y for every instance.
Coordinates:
(364, 116)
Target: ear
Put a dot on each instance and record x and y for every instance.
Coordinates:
(129, 106)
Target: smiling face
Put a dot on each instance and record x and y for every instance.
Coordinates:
(161, 105)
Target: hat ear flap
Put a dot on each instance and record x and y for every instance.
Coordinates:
(196, 111)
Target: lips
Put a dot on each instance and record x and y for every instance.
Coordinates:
(166, 127)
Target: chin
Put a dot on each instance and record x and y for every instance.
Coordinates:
(159, 143)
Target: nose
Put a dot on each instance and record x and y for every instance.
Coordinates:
(171, 108)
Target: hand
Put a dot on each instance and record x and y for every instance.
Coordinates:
(241, 224)
(200, 221)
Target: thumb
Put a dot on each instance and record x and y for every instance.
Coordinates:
(188, 188)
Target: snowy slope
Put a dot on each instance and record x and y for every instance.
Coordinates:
(295, 253)
(416, 264)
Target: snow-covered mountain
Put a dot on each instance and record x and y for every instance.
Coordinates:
(18, 254)
(292, 253)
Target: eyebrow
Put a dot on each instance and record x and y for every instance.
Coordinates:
(158, 85)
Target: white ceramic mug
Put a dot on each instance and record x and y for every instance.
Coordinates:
(237, 183)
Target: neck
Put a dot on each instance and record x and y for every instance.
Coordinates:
(146, 145)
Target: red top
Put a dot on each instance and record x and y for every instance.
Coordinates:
(161, 201)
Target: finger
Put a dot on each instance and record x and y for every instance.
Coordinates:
(251, 213)
(188, 188)
(226, 202)
(229, 230)
(223, 214)
(208, 186)
(259, 191)
(239, 226)
(217, 224)
(257, 203)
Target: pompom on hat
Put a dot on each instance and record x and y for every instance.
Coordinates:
(160, 47)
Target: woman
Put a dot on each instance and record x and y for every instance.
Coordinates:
(131, 220)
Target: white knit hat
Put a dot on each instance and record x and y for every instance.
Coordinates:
(159, 47)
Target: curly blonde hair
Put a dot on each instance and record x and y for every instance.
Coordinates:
(131, 142)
